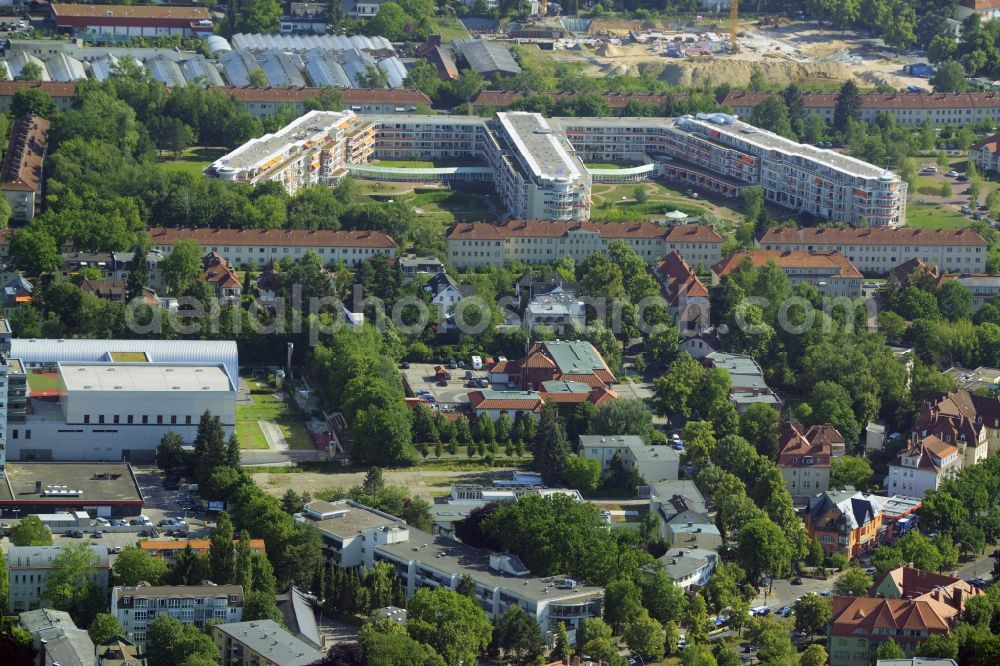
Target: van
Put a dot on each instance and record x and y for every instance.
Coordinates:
(477, 363)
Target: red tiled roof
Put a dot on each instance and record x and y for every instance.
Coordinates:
(853, 613)
(679, 279)
(502, 99)
(793, 445)
(130, 11)
(22, 165)
(545, 229)
(693, 233)
(51, 88)
(930, 449)
(872, 236)
(790, 259)
(348, 95)
(274, 237)
(527, 403)
(880, 101)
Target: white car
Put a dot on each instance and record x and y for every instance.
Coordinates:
(952, 174)
(681, 641)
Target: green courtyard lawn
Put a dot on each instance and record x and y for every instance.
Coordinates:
(617, 203)
(603, 165)
(935, 216)
(192, 160)
(43, 382)
(444, 206)
(269, 408)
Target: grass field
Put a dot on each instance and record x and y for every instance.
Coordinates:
(444, 206)
(602, 165)
(192, 160)
(269, 408)
(617, 203)
(449, 28)
(934, 216)
(43, 382)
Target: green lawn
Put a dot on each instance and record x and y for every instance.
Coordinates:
(269, 408)
(192, 160)
(617, 203)
(602, 165)
(449, 28)
(935, 216)
(46, 382)
(443, 206)
(406, 164)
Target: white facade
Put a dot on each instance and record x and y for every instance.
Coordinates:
(137, 607)
(28, 570)
(913, 474)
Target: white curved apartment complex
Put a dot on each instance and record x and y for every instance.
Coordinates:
(538, 164)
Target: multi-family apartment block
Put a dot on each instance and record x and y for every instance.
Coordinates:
(260, 246)
(924, 466)
(830, 272)
(536, 164)
(878, 251)
(356, 535)
(476, 245)
(28, 570)
(138, 607)
(168, 549)
(262, 643)
(984, 287)
(22, 170)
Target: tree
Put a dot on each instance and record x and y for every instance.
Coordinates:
(31, 100)
(591, 629)
(169, 643)
(35, 251)
(31, 71)
(763, 549)
(135, 564)
(848, 106)
(955, 300)
(696, 620)
(423, 428)
(831, 403)
(561, 649)
(581, 473)
(454, 625)
(105, 626)
(551, 447)
(622, 600)
(4, 583)
(772, 114)
(518, 635)
(662, 598)
(949, 77)
(31, 532)
(645, 635)
(221, 554)
(813, 614)
(853, 471)
(757, 80)
(889, 650)
(625, 416)
(391, 646)
(853, 583)
(72, 586)
(182, 267)
(673, 391)
(759, 426)
(699, 442)
(814, 655)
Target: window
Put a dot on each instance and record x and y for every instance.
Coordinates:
(100, 418)
(86, 419)
(159, 419)
(145, 419)
(130, 419)
(173, 419)
(187, 419)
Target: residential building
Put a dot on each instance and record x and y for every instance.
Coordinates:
(445, 293)
(683, 515)
(563, 360)
(347, 529)
(219, 274)
(980, 379)
(987, 9)
(689, 568)
(262, 643)
(22, 172)
(115, 291)
(477, 245)
(137, 607)
(298, 614)
(699, 344)
(907, 582)
(168, 549)
(846, 521)
(263, 102)
(748, 384)
(28, 570)
(917, 661)
(573, 393)
(560, 311)
(248, 247)
(490, 403)
(924, 466)
(686, 294)
(501, 580)
(879, 251)
(412, 266)
(804, 462)
(652, 463)
(969, 421)
(467, 497)
(830, 272)
(133, 21)
(17, 292)
(861, 624)
(119, 651)
(983, 287)
(56, 639)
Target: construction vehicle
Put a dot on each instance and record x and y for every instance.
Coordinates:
(734, 25)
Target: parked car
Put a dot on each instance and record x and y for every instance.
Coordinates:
(484, 383)
(452, 365)
(977, 215)
(785, 611)
(966, 210)
(681, 641)
(468, 374)
(76, 534)
(145, 533)
(962, 179)
(824, 593)
(952, 174)
(404, 365)
(117, 523)
(114, 550)
(797, 580)
(871, 285)
(98, 534)
(930, 169)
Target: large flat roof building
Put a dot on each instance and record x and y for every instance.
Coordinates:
(262, 643)
(133, 21)
(105, 488)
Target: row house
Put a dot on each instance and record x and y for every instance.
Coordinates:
(879, 251)
(22, 172)
(258, 247)
(479, 245)
(830, 272)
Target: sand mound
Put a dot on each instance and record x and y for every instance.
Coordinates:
(609, 51)
(620, 70)
(695, 72)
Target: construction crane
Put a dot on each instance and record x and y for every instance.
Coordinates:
(734, 25)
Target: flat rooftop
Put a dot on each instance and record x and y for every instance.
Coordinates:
(144, 377)
(351, 520)
(272, 148)
(981, 377)
(741, 131)
(541, 146)
(270, 640)
(574, 356)
(99, 482)
(455, 558)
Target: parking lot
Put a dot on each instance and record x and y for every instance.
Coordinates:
(421, 377)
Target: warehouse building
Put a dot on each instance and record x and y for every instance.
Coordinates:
(132, 20)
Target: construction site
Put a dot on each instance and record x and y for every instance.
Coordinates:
(719, 48)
